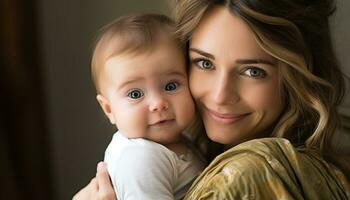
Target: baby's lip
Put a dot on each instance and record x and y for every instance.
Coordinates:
(161, 121)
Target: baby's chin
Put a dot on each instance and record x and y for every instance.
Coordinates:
(169, 140)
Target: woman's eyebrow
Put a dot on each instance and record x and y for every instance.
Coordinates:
(208, 55)
(253, 61)
(239, 61)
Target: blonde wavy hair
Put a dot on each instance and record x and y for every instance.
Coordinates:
(297, 34)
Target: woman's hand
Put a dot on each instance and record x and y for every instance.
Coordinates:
(99, 188)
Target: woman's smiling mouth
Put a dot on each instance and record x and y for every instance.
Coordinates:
(226, 118)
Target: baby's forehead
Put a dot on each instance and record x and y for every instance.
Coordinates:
(118, 44)
(154, 62)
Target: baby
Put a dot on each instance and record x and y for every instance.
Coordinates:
(139, 71)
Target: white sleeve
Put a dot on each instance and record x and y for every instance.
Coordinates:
(144, 173)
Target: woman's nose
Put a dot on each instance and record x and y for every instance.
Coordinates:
(225, 89)
(158, 103)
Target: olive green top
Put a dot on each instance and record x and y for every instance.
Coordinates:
(269, 168)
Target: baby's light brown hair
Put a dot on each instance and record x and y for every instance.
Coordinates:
(134, 33)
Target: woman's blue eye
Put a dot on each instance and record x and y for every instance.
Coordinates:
(255, 72)
(204, 64)
(135, 94)
(171, 86)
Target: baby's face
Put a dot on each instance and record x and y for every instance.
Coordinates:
(147, 93)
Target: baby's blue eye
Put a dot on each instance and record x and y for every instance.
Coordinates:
(171, 86)
(204, 64)
(255, 72)
(135, 94)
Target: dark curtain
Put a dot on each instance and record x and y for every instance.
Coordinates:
(24, 152)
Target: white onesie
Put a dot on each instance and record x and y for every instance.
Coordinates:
(141, 169)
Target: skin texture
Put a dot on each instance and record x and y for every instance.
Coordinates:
(146, 95)
(99, 188)
(235, 84)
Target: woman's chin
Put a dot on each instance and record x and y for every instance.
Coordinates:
(224, 139)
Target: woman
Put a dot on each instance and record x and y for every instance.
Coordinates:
(259, 69)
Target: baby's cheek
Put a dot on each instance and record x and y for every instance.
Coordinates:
(132, 122)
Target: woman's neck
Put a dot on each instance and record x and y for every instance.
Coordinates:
(179, 147)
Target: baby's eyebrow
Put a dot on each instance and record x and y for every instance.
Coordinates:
(175, 73)
(129, 81)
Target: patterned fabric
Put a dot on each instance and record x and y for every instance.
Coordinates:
(269, 168)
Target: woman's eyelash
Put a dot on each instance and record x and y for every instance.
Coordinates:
(254, 72)
(203, 63)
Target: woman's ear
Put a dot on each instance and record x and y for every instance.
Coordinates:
(106, 107)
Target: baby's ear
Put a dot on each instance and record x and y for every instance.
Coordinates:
(106, 107)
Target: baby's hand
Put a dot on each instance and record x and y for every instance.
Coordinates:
(99, 188)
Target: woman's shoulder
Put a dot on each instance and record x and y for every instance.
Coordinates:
(263, 146)
(268, 168)
(239, 173)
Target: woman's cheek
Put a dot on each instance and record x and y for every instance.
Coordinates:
(197, 83)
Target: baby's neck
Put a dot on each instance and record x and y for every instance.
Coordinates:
(179, 147)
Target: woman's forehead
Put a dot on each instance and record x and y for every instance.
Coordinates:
(223, 34)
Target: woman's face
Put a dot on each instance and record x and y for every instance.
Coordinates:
(235, 83)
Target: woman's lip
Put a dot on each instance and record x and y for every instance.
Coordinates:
(226, 118)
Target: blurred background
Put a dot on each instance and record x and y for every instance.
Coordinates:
(52, 131)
